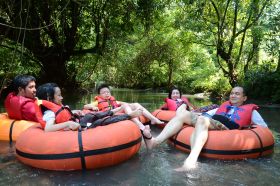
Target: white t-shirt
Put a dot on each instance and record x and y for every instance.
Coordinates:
(256, 118)
(48, 115)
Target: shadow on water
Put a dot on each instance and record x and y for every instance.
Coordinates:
(151, 168)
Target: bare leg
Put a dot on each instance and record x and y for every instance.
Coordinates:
(198, 139)
(128, 110)
(173, 126)
(146, 113)
(136, 113)
(181, 109)
(118, 109)
(146, 131)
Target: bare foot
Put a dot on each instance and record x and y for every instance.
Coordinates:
(148, 138)
(180, 169)
(146, 132)
(186, 167)
(156, 121)
(150, 143)
(136, 113)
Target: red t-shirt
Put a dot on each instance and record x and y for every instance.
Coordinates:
(20, 108)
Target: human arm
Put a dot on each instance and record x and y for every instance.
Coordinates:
(51, 126)
(257, 119)
(78, 112)
(92, 106)
(191, 106)
(121, 102)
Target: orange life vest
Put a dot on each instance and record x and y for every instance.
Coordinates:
(174, 104)
(17, 107)
(242, 115)
(62, 113)
(106, 104)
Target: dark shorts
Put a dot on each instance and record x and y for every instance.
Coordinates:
(217, 122)
(101, 119)
(226, 121)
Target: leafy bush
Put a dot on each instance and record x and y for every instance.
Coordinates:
(263, 83)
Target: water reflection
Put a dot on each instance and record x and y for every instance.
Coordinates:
(151, 168)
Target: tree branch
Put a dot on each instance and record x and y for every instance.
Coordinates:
(24, 54)
(93, 50)
(224, 16)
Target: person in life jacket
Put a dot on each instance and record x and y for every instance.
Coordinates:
(106, 104)
(19, 104)
(232, 114)
(105, 101)
(53, 115)
(175, 100)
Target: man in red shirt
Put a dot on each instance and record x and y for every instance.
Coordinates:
(20, 103)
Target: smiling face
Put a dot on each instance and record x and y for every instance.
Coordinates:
(105, 93)
(237, 97)
(29, 91)
(175, 94)
(57, 96)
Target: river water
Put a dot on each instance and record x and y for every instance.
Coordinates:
(154, 167)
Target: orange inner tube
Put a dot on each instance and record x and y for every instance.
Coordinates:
(229, 144)
(10, 129)
(73, 150)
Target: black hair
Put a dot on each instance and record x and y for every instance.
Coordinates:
(21, 81)
(46, 91)
(243, 88)
(244, 91)
(101, 87)
(171, 90)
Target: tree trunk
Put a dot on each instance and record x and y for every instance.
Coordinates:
(54, 70)
(233, 80)
(255, 33)
(170, 72)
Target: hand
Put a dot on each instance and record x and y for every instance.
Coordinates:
(78, 112)
(73, 125)
(91, 107)
(94, 108)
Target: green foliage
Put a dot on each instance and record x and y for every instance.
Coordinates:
(200, 73)
(160, 59)
(263, 83)
(201, 46)
(14, 62)
(271, 23)
(84, 69)
(228, 27)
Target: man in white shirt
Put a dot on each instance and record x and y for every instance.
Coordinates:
(256, 117)
(227, 116)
